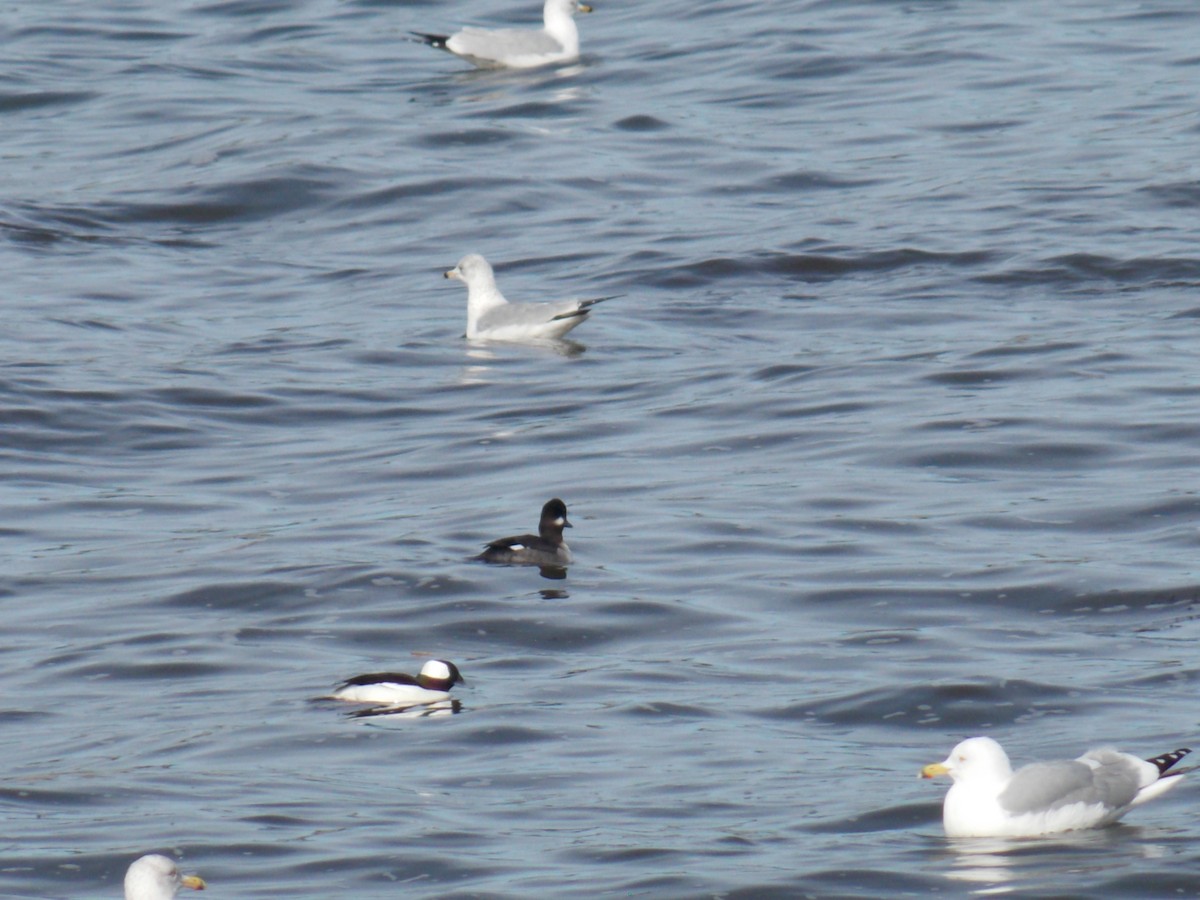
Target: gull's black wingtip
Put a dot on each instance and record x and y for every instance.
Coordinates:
(585, 307)
(437, 41)
(1167, 760)
(588, 304)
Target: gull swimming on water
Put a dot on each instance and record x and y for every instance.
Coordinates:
(156, 877)
(989, 799)
(491, 317)
(518, 48)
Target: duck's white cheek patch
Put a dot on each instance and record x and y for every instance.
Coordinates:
(559, 521)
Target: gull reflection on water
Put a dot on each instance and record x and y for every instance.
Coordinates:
(982, 861)
(1008, 865)
(497, 85)
(485, 355)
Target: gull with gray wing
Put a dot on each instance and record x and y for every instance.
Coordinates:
(491, 317)
(989, 799)
(518, 48)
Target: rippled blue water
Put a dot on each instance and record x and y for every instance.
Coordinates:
(890, 440)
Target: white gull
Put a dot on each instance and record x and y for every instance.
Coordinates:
(491, 317)
(518, 48)
(989, 799)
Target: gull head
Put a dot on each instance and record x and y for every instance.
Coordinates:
(973, 758)
(565, 7)
(156, 877)
(472, 269)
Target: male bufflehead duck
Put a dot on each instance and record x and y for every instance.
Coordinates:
(546, 548)
(156, 877)
(989, 799)
(518, 48)
(491, 317)
(399, 689)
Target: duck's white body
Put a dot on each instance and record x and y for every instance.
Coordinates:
(399, 689)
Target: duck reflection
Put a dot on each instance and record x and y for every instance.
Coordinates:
(421, 711)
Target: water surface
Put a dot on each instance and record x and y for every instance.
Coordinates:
(890, 440)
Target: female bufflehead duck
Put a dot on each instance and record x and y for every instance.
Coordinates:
(547, 548)
(399, 689)
(491, 317)
(156, 877)
(518, 48)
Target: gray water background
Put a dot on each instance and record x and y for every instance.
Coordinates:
(891, 439)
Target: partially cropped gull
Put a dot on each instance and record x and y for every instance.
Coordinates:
(989, 799)
(399, 689)
(546, 548)
(518, 48)
(491, 317)
(156, 877)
